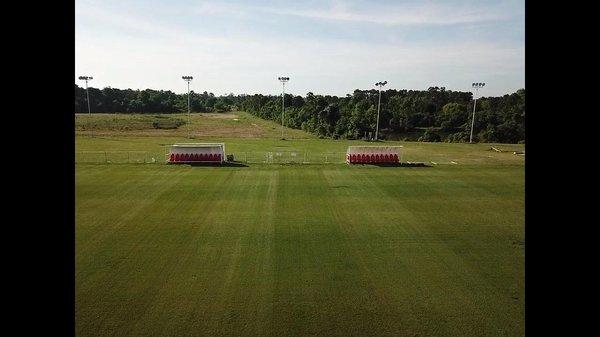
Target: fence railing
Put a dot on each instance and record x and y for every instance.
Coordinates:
(118, 157)
(290, 157)
(251, 157)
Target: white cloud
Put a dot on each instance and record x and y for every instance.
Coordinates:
(424, 13)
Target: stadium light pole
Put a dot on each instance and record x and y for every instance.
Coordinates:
(476, 86)
(188, 79)
(283, 80)
(379, 85)
(86, 79)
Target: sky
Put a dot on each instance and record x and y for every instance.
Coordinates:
(325, 47)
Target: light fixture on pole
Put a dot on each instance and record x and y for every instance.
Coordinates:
(188, 79)
(476, 86)
(86, 79)
(283, 80)
(379, 85)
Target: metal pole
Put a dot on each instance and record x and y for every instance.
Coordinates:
(473, 119)
(378, 107)
(88, 96)
(189, 122)
(282, 107)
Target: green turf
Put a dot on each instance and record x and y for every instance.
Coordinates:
(279, 250)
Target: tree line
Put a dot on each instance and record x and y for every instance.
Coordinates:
(435, 114)
(112, 100)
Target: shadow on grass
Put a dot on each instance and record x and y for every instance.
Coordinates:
(224, 164)
(397, 164)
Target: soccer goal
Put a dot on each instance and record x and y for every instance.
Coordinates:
(195, 153)
(373, 154)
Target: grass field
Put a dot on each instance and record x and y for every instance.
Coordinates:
(298, 250)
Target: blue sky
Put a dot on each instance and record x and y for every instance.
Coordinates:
(326, 47)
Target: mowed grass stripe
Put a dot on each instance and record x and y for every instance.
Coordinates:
(316, 282)
(242, 292)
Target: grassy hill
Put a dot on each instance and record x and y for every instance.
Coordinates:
(237, 124)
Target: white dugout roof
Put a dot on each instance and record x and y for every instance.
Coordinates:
(208, 148)
(373, 149)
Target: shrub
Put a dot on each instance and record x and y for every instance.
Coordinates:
(458, 137)
(170, 123)
(430, 136)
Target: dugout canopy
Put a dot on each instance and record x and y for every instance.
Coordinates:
(196, 152)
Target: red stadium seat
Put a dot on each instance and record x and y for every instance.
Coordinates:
(353, 158)
(177, 157)
(196, 157)
(358, 158)
(202, 157)
(363, 158)
(210, 157)
(218, 157)
(386, 158)
(172, 157)
(395, 158)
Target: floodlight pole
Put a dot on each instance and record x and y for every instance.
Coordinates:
(283, 80)
(476, 86)
(87, 92)
(188, 79)
(188, 83)
(379, 85)
(282, 107)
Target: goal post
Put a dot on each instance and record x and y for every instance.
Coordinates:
(186, 153)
